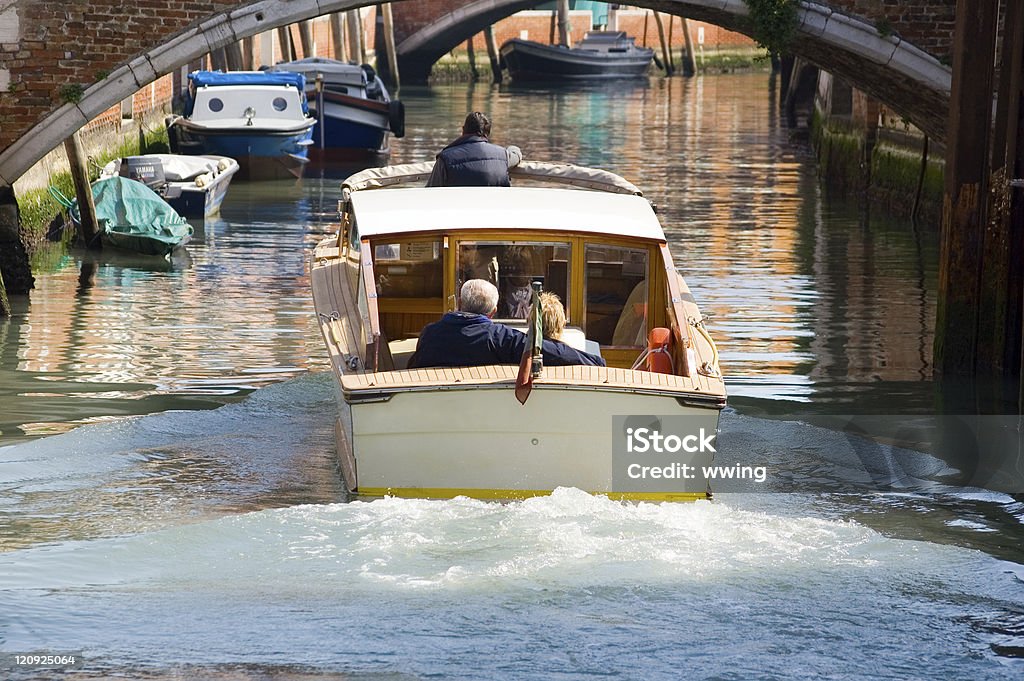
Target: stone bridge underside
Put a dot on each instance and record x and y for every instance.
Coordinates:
(105, 50)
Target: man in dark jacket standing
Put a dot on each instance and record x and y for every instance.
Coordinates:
(470, 338)
(472, 161)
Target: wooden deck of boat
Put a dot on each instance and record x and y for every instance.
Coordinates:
(563, 376)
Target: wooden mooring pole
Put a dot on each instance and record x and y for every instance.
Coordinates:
(1002, 283)
(357, 52)
(306, 38)
(564, 26)
(957, 343)
(89, 228)
(492, 54)
(284, 39)
(338, 36)
(389, 45)
(665, 55)
(689, 65)
(471, 55)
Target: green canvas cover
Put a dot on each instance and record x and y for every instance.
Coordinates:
(134, 217)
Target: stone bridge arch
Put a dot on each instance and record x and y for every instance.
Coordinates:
(146, 40)
(888, 67)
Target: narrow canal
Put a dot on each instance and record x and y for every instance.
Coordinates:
(169, 499)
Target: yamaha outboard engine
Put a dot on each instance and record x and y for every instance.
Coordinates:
(148, 171)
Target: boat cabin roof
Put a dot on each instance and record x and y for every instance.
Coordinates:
(333, 71)
(451, 209)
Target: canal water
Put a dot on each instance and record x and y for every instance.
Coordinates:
(170, 506)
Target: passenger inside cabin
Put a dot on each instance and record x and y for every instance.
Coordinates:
(552, 315)
(469, 337)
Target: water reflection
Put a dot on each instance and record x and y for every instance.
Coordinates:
(815, 303)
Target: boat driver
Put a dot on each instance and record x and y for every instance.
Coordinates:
(472, 161)
(469, 337)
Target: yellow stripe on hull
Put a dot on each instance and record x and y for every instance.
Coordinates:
(515, 494)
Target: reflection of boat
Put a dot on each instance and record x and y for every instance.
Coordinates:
(194, 186)
(398, 263)
(258, 118)
(353, 109)
(133, 217)
(601, 54)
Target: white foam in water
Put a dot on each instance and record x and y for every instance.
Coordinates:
(567, 540)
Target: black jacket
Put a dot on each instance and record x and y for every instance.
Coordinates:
(461, 339)
(471, 161)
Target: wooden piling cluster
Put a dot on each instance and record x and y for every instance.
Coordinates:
(981, 273)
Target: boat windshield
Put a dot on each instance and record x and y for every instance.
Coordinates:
(511, 266)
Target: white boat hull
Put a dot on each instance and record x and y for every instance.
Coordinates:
(482, 443)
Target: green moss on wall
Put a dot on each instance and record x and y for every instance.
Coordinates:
(894, 169)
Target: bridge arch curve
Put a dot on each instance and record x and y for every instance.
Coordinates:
(889, 68)
(215, 31)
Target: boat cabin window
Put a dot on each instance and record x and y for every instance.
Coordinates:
(615, 293)
(409, 269)
(511, 266)
(241, 102)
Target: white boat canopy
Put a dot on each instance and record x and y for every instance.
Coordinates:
(560, 173)
(449, 209)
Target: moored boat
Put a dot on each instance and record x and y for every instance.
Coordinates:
(599, 55)
(194, 186)
(258, 118)
(352, 107)
(397, 264)
(132, 217)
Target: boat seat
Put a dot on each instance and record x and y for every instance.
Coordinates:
(401, 351)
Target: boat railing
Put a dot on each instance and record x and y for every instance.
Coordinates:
(543, 171)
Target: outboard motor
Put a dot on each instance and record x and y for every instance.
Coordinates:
(148, 171)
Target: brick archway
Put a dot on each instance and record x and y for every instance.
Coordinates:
(140, 43)
(889, 67)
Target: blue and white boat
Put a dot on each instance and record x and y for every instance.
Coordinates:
(351, 105)
(258, 118)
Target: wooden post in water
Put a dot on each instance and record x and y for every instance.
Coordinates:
(564, 27)
(357, 52)
(963, 214)
(233, 56)
(284, 38)
(338, 36)
(554, 27)
(492, 53)
(89, 228)
(306, 38)
(471, 55)
(1002, 284)
(689, 66)
(248, 48)
(5, 305)
(665, 56)
(389, 45)
(671, 26)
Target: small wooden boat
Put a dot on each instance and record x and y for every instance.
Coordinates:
(397, 264)
(194, 186)
(258, 118)
(352, 107)
(601, 54)
(132, 217)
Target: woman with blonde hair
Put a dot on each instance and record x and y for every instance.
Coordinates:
(552, 315)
